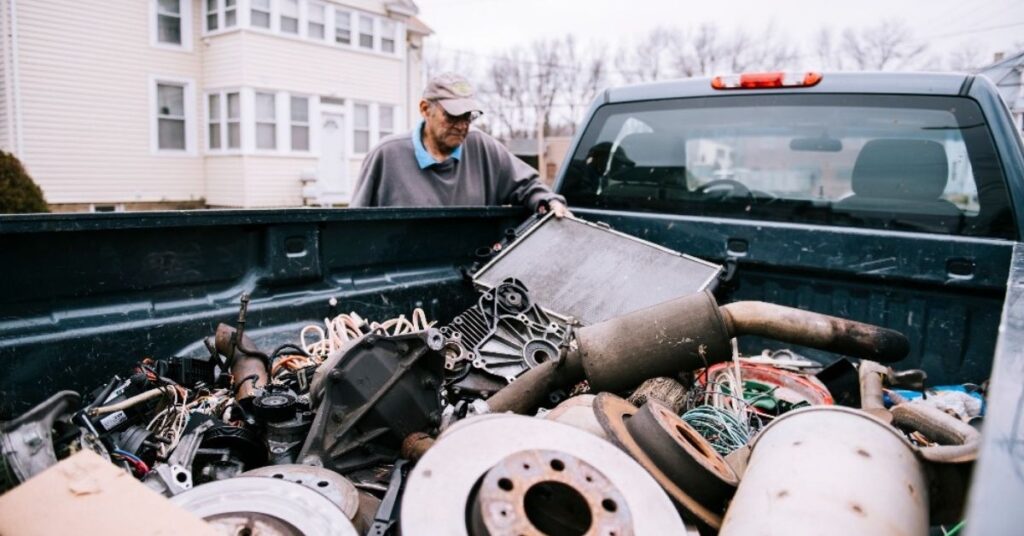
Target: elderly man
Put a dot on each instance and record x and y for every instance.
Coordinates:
(444, 162)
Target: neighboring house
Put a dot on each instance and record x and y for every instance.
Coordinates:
(555, 149)
(188, 103)
(1008, 75)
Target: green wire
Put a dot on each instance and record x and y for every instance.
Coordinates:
(719, 427)
(955, 530)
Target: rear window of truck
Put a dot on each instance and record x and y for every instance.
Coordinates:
(899, 162)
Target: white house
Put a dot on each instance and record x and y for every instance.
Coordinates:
(125, 104)
(1007, 72)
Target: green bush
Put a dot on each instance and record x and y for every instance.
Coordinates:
(18, 193)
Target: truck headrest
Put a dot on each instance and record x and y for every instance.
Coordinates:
(901, 169)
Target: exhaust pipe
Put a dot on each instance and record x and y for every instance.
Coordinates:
(686, 334)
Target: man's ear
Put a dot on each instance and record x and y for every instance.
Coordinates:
(424, 108)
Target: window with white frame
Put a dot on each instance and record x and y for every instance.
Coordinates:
(343, 26)
(171, 116)
(366, 31)
(230, 13)
(169, 22)
(220, 14)
(215, 121)
(234, 120)
(223, 121)
(259, 16)
(316, 16)
(388, 33)
(361, 128)
(212, 15)
(289, 21)
(300, 123)
(266, 121)
(386, 120)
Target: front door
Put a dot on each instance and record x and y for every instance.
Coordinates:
(333, 169)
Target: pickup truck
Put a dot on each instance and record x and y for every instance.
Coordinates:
(787, 180)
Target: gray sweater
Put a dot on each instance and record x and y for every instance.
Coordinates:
(487, 174)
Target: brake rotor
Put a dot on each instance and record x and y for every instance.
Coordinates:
(684, 455)
(335, 487)
(550, 492)
(613, 413)
(437, 496)
(265, 506)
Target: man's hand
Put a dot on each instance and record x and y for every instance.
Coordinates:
(555, 206)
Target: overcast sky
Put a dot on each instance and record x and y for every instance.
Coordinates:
(486, 26)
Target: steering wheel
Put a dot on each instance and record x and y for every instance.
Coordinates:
(731, 188)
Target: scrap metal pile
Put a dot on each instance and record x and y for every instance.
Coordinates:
(612, 412)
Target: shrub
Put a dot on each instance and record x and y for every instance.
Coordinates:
(18, 193)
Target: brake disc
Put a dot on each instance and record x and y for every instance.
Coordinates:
(335, 487)
(265, 506)
(437, 499)
(551, 492)
(613, 413)
(684, 455)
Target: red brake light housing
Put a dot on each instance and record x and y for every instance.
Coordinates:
(766, 80)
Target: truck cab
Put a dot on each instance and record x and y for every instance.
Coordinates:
(894, 199)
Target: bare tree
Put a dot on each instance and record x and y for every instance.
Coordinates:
(966, 57)
(503, 94)
(438, 59)
(887, 45)
(584, 74)
(647, 60)
(827, 51)
(768, 50)
(545, 80)
(704, 51)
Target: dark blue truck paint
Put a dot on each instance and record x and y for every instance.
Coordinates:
(962, 329)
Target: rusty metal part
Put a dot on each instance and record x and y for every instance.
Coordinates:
(613, 413)
(248, 364)
(436, 498)
(957, 441)
(668, 391)
(372, 394)
(683, 455)
(686, 334)
(415, 445)
(578, 411)
(832, 470)
(872, 376)
(950, 464)
(335, 487)
(824, 332)
(368, 505)
(548, 492)
(531, 389)
(683, 334)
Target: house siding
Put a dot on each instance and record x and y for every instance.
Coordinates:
(274, 181)
(6, 58)
(226, 184)
(273, 63)
(85, 103)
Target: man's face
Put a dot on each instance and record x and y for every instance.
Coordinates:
(447, 131)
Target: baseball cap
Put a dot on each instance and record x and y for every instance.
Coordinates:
(453, 92)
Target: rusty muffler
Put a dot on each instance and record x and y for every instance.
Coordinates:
(249, 366)
(686, 334)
